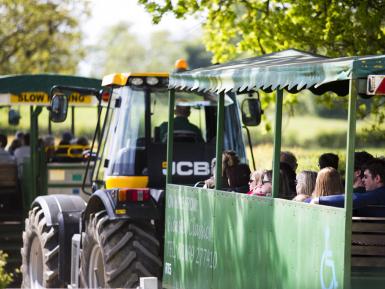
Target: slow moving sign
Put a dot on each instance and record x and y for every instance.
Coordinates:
(42, 98)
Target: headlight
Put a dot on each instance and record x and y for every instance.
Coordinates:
(152, 80)
(137, 81)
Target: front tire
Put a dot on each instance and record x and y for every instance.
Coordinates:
(116, 253)
(40, 259)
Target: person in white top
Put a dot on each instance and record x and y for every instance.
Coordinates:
(22, 153)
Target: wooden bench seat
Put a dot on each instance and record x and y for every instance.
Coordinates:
(368, 242)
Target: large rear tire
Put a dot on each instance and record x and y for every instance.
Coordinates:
(116, 253)
(40, 259)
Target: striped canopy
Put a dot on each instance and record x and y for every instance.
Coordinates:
(291, 69)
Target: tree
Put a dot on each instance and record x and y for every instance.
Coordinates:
(40, 36)
(330, 27)
(234, 28)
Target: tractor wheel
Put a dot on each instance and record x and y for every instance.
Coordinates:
(116, 253)
(40, 252)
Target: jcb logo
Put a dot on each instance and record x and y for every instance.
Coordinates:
(187, 168)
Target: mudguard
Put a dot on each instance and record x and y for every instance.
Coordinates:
(102, 200)
(55, 205)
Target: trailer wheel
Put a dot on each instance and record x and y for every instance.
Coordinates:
(40, 252)
(116, 253)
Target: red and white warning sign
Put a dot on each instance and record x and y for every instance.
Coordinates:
(376, 85)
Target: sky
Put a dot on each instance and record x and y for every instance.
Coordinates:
(105, 13)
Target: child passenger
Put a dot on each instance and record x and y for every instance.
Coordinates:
(305, 185)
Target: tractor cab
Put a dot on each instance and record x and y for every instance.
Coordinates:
(135, 143)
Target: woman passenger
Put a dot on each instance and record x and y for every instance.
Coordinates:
(305, 185)
(328, 183)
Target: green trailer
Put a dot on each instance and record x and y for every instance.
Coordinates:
(217, 239)
(39, 176)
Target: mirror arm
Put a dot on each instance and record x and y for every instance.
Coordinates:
(82, 90)
(250, 145)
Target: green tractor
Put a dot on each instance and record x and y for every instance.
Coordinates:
(39, 173)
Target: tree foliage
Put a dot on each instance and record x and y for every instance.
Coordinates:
(330, 27)
(5, 278)
(235, 28)
(40, 35)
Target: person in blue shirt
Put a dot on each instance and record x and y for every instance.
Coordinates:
(368, 204)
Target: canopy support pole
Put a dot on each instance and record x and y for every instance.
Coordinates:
(34, 154)
(350, 147)
(170, 135)
(277, 141)
(219, 140)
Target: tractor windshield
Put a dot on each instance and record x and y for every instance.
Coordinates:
(126, 134)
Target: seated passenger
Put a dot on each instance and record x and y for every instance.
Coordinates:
(290, 159)
(5, 157)
(290, 177)
(61, 153)
(22, 153)
(238, 178)
(305, 185)
(360, 159)
(328, 160)
(255, 179)
(328, 183)
(181, 123)
(264, 187)
(16, 143)
(369, 204)
(210, 183)
(235, 176)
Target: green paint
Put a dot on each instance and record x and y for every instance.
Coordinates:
(249, 242)
(277, 141)
(219, 140)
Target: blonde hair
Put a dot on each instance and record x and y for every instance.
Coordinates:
(328, 183)
(306, 182)
(257, 176)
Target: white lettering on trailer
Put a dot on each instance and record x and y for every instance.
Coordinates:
(167, 268)
(183, 203)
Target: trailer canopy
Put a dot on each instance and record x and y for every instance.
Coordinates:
(290, 69)
(34, 89)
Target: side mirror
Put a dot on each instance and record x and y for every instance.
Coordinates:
(59, 107)
(13, 117)
(251, 111)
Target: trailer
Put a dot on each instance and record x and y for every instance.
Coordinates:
(219, 239)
